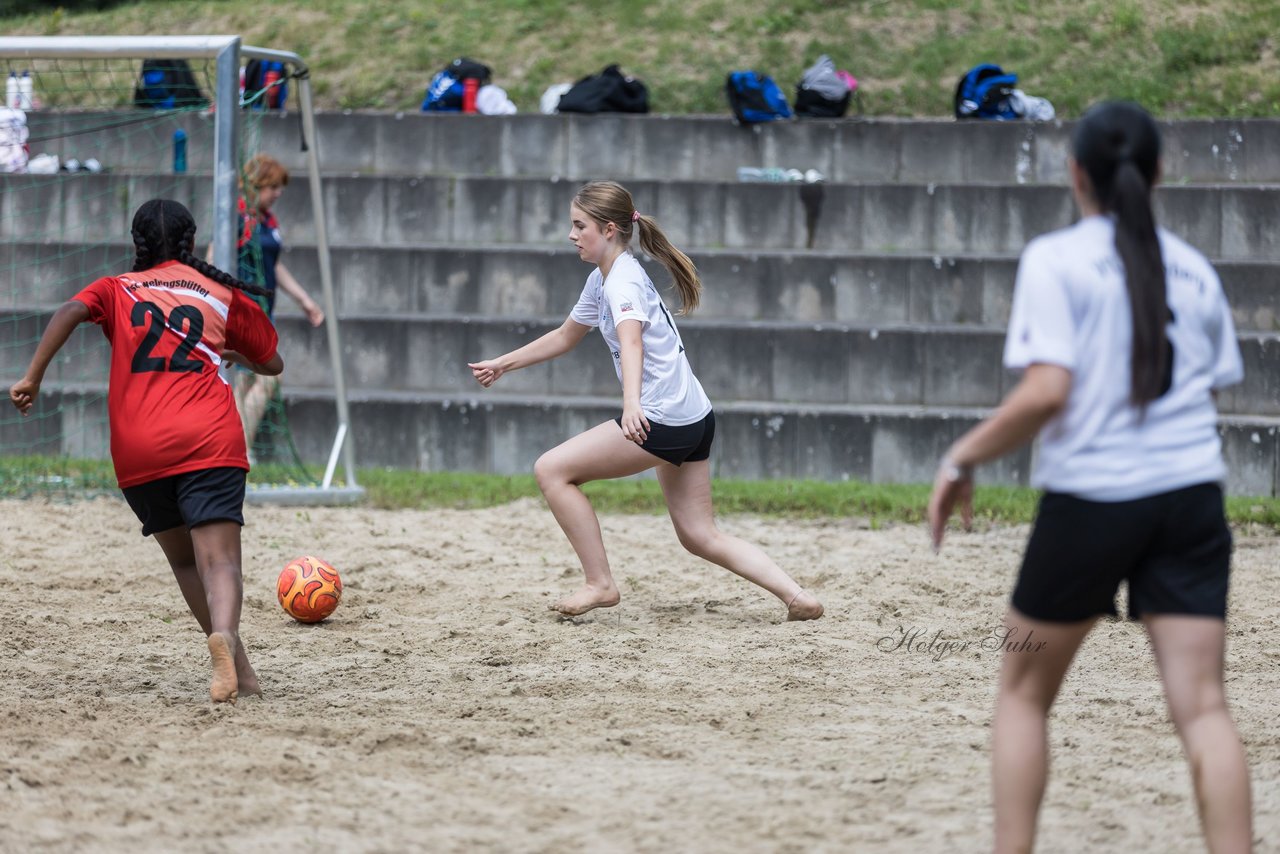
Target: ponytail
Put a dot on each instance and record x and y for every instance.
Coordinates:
(683, 273)
(1139, 248)
(610, 202)
(164, 230)
(1118, 146)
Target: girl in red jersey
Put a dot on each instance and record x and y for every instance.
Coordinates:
(176, 440)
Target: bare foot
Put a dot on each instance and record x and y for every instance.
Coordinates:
(223, 688)
(246, 679)
(587, 599)
(804, 606)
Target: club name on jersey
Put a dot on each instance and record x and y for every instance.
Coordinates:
(181, 284)
(1112, 265)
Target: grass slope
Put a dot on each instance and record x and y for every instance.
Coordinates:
(1178, 57)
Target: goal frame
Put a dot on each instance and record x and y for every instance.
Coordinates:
(227, 52)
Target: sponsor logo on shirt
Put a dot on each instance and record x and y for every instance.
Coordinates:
(626, 306)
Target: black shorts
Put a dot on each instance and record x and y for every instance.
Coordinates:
(188, 499)
(1174, 549)
(688, 443)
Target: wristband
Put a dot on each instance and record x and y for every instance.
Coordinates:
(955, 473)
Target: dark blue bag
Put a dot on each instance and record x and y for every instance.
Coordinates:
(444, 92)
(268, 75)
(167, 84)
(755, 98)
(985, 92)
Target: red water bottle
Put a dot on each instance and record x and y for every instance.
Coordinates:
(469, 88)
(270, 96)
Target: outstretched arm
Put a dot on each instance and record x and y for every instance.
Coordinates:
(555, 343)
(1038, 397)
(288, 284)
(64, 321)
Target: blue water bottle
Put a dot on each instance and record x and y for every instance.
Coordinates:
(179, 150)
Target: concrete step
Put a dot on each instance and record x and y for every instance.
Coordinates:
(664, 147)
(541, 281)
(936, 366)
(492, 432)
(1223, 221)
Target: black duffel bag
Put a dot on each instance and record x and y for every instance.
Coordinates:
(606, 92)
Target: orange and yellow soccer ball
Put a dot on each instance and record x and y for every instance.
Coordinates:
(309, 589)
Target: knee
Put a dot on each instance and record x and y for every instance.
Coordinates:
(546, 472)
(1187, 711)
(698, 541)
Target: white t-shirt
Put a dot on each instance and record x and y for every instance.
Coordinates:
(1071, 308)
(669, 392)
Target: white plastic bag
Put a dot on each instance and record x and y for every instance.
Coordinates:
(493, 101)
(1031, 107)
(43, 164)
(550, 101)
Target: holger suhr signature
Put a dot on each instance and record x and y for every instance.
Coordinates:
(936, 644)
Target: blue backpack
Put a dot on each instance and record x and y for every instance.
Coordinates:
(755, 98)
(984, 92)
(167, 84)
(444, 92)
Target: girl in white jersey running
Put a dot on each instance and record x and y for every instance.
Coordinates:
(666, 421)
(1123, 336)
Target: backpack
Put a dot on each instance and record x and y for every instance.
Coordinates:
(167, 84)
(444, 92)
(822, 93)
(755, 98)
(607, 92)
(259, 76)
(985, 92)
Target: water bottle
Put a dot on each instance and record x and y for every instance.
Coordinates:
(270, 97)
(26, 92)
(469, 88)
(179, 150)
(771, 175)
(11, 91)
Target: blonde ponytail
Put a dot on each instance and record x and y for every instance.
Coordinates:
(607, 201)
(683, 273)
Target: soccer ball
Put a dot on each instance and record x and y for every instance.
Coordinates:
(309, 589)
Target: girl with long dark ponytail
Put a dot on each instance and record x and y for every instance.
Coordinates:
(176, 439)
(1123, 336)
(667, 422)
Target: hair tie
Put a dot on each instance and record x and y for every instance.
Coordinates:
(635, 216)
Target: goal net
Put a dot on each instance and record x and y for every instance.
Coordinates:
(93, 127)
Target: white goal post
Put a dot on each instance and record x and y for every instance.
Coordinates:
(226, 51)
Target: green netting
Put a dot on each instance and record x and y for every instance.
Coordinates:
(60, 231)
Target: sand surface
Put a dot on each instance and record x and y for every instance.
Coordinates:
(443, 708)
